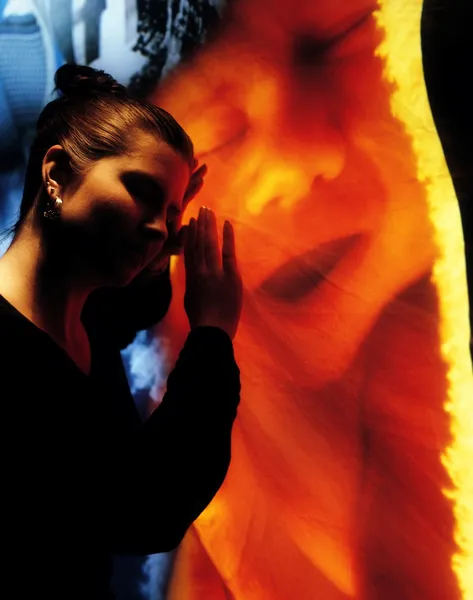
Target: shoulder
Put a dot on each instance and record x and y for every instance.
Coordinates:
(25, 350)
(12, 325)
(43, 391)
(22, 361)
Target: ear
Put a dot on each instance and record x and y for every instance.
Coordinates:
(56, 168)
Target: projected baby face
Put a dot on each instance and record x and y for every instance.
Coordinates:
(290, 110)
(291, 113)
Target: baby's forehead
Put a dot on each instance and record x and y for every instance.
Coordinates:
(318, 18)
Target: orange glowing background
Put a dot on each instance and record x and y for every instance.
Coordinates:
(353, 444)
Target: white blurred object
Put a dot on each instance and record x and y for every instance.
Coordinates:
(17, 7)
(145, 365)
(117, 37)
(156, 570)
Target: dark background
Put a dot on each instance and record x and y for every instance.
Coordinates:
(447, 48)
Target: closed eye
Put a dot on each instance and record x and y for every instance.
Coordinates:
(310, 50)
(299, 276)
(227, 143)
(143, 187)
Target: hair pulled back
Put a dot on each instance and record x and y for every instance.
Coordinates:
(94, 117)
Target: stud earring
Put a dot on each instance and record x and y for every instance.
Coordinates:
(53, 205)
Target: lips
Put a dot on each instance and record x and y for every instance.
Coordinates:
(302, 274)
(131, 253)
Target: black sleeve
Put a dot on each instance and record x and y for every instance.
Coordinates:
(78, 472)
(182, 454)
(119, 313)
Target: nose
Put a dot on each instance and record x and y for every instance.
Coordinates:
(156, 230)
(293, 138)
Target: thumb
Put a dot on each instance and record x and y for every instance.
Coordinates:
(182, 235)
(180, 242)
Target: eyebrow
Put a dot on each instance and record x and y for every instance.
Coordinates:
(154, 183)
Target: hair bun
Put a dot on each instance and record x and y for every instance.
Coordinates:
(79, 80)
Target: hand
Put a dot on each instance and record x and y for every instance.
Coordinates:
(177, 234)
(213, 283)
(175, 242)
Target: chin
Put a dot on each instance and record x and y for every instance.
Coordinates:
(125, 278)
(116, 268)
(118, 275)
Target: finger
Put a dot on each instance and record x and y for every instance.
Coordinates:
(229, 261)
(190, 247)
(176, 248)
(182, 235)
(192, 192)
(212, 253)
(200, 240)
(201, 171)
(195, 183)
(196, 177)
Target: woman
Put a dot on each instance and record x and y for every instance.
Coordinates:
(107, 181)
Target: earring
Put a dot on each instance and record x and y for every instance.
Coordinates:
(53, 206)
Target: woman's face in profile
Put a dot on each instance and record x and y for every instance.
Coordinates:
(115, 217)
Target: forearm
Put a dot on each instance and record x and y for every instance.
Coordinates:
(197, 413)
(181, 456)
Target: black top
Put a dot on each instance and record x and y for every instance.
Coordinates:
(82, 477)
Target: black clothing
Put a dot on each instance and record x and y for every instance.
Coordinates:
(82, 477)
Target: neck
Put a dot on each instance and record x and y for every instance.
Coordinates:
(37, 281)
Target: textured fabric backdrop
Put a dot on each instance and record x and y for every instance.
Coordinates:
(314, 121)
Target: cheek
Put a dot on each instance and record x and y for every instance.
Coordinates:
(102, 242)
(111, 218)
(98, 232)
